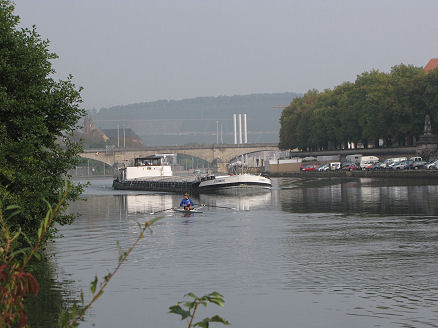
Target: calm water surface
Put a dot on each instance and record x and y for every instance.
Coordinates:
(308, 253)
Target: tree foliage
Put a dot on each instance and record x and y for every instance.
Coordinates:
(377, 106)
(37, 116)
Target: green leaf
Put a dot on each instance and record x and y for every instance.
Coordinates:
(74, 310)
(40, 230)
(16, 235)
(217, 318)
(152, 221)
(26, 238)
(93, 285)
(189, 305)
(12, 207)
(217, 301)
(191, 295)
(180, 311)
(203, 324)
(82, 296)
(118, 247)
(215, 294)
(10, 216)
(22, 250)
(107, 277)
(38, 256)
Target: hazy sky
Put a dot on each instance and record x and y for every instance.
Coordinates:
(129, 51)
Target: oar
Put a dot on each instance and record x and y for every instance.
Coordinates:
(166, 209)
(230, 208)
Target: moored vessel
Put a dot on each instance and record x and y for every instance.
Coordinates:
(234, 181)
(153, 173)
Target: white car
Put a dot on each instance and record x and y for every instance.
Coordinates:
(431, 166)
(325, 167)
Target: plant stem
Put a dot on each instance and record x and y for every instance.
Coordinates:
(193, 315)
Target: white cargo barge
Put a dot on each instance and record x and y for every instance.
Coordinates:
(153, 174)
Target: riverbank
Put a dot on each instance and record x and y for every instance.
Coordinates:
(432, 174)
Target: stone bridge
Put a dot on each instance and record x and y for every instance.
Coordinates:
(218, 153)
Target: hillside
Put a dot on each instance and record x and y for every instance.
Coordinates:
(94, 137)
(177, 122)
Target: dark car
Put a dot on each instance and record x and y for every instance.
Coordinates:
(417, 165)
(377, 166)
(402, 165)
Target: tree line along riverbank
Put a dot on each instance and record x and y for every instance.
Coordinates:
(377, 109)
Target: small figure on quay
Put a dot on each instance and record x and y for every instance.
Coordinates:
(427, 126)
(187, 202)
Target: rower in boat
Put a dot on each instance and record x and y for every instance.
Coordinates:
(187, 202)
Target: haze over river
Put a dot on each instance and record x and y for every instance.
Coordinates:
(309, 253)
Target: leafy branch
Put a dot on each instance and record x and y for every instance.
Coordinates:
(191, 306)
(15, 283)
(75, 317)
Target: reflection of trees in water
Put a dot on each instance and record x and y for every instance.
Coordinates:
(44, 310)
(357, 196)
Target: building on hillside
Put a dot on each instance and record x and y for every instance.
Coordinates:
(432, 64)
(123, 137)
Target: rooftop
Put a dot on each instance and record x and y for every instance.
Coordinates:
(432, 64)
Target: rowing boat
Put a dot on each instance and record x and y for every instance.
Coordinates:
(187, 211)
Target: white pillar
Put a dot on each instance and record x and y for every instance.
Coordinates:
(245, 128)
(240, 128)
(118, 135)
(235, 128)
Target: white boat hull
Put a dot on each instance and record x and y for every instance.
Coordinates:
(236, 181)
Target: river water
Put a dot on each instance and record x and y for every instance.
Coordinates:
(309, 253)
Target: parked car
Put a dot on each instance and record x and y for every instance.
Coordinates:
(309, 167)
(350, 167)
(367, 161)
(324, 168)
(335, 166)
(432, 165)
(415, 165)
(377, 166)
(402, 165)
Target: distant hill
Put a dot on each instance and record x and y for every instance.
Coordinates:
(177, 122)
(94, 137)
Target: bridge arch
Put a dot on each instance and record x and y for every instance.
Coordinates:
(211, 153)
(98, 157)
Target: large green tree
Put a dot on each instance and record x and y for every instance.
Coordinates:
(37, 116)
(377, 106)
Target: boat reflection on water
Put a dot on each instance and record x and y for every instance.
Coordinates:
(239, 199)
(145, 204)
(243, 200)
